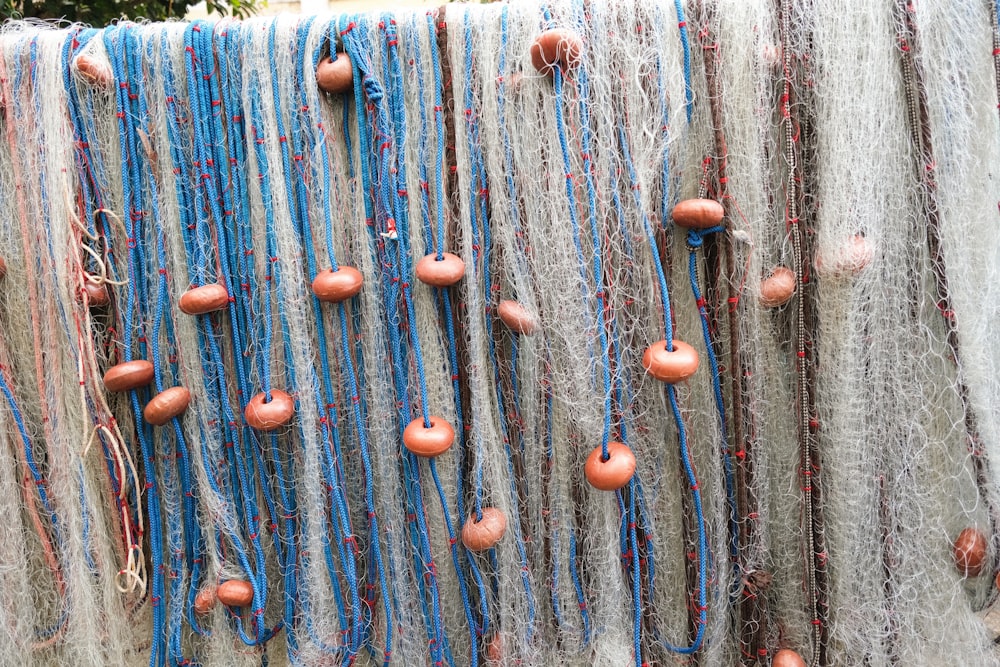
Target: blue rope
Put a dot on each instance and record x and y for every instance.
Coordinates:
(300, 216)
(189, 535)
(120, 43)
(391, 216)
(635, 517)
(694, 240)
(460, 560)
(213, 207)
(688, 92)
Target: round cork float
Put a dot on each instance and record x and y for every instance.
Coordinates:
(697, 213)
(428, 441)
(205, 600)
(166, 405)
(204, 299)
(235, 593)
(612, 473)
(847, 260)
(670, 366)
(265, 415)
(969, 551)
(517, 318)
(443, 272)
(129, 375)
(335, 286)
(93, 71)
(777, 289)
(97, 293)
(557, 47)
(485, 533)
(335, 76)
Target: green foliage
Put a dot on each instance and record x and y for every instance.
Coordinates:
(102, 12)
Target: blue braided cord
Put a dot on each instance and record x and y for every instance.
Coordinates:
(352, 384)
(327, 213)
(239, 246)
(360, 632)
(508, 150)
(695, 238)
(689, 470)
(624, 397)
(557, 76)
(443, 300)
(248, 301)
(439, 132)
(131, 183)
(413, 41)
(208, 338)
(366, 85)
(642, 522)
(190, 535)
(636, 578)
(307, 615)
(574, 222)
(332, 472)
(661, 89)
(200, 132)
(630, 516)
(560, 127)
(245, 303)
(460, 430)
(161, 318)
(185, 203)
(118, 42)
(199, 42)
(393, 128)
(692, 481)
(581, 598)
(583, 88)
(186, 211)
(390, 192)
(360, 405)
(177, 572)
(229, 246)
(582, 80)
(202, 53)
(688, 93)
(185, 207)
(335, 484)
(661, 278)
(515, 392)
(375, 537)
(240, 243)
(443, 297)
(356, 54)
(456, 559)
